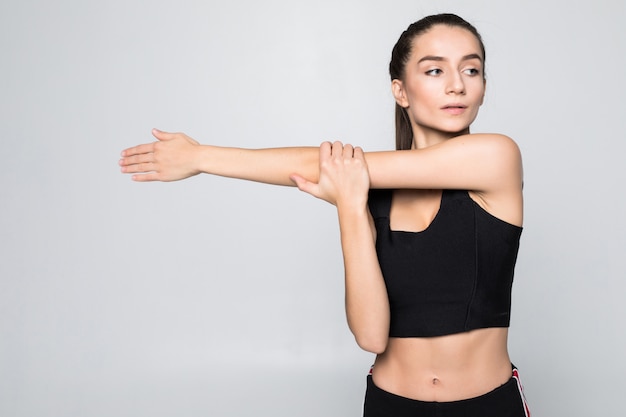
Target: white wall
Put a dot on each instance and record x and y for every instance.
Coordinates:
(217, 297)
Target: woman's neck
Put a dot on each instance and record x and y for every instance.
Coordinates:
(424, 137)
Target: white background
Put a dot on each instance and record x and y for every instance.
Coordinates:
(218, 297)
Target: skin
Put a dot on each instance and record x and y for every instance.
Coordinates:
(442, 90)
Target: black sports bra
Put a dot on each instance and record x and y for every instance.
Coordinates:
(452, 277)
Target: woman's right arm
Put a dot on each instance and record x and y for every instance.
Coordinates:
(176, 156)
(344, 182)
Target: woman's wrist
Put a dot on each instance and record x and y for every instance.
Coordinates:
(201, 158)
(352, 211)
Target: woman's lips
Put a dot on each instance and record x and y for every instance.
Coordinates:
(454, 109)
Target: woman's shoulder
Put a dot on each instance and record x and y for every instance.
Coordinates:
(497, 152)
(497, 141)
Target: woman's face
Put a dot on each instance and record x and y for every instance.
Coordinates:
(444, 84)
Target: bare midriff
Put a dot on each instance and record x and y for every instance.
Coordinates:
(444, 368)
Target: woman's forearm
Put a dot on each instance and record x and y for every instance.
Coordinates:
(270, 166)
(367, 304)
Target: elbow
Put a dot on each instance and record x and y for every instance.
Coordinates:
(373, 344)
(371, 335)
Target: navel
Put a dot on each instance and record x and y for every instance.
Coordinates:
(435, 381)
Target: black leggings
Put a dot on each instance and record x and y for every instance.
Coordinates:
(505, 401)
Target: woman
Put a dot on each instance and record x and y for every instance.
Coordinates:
(429, 252)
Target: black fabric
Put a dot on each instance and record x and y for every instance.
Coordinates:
(505, 401)
(454, 276)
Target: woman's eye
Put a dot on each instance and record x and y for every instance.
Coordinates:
(471, 71)
(434, 71)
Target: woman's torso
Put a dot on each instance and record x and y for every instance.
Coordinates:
(441, 368)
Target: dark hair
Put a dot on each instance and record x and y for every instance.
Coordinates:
(401, 54)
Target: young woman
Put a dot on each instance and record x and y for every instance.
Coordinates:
(429, 232)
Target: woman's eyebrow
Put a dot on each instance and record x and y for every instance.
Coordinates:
(440, 58)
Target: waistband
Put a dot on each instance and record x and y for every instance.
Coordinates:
(498, 402)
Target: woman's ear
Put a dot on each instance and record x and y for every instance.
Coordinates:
(397, 88)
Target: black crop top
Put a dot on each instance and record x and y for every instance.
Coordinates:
(452, 277)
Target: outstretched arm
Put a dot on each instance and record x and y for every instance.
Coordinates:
(490, 165)
(344, 182)
(473, 162)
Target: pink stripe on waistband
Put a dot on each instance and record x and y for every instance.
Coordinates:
(521, 391)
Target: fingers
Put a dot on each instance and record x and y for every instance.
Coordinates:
(359, 154)
(160, 135)
(337, 158)
(141, 158)
(325, 151)
(137, 150)
(305, 185)
(150, 176)
(338, 149)
(137, 159)
(141, 167)
(298, 180)
(148, 147)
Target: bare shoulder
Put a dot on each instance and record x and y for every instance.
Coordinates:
(494, 142)
(489, 164)
(498, 153)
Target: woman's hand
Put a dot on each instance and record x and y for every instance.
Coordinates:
(344, 178)
(171, 158)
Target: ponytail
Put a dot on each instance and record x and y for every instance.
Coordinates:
(404, 131)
